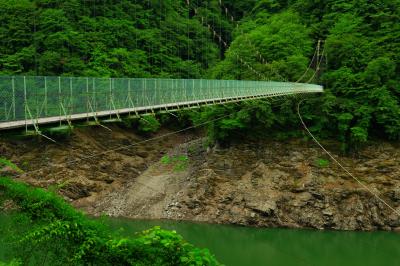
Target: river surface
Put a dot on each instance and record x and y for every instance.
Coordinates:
(242, 246)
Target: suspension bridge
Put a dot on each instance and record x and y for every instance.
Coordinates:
(31, 101)
(27, 101)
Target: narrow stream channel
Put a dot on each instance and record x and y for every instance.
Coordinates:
(242, 246)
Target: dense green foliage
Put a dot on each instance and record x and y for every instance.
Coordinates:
(11, 263)
(119, 38)
(148, 124)
(360, 69)
(44, 230)
(153, 38)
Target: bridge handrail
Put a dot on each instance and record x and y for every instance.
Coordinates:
(33, 97)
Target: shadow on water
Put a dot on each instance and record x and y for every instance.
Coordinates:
(235, 245)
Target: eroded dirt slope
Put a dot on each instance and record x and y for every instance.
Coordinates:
(74, 167)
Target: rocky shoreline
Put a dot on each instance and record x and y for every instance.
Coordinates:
(265, 183)
(268, 184)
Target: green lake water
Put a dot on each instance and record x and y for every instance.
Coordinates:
(234, 245)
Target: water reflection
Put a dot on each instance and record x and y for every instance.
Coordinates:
(234, 245)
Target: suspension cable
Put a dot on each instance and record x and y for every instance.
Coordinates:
(258, 54)
(223, 42)
(319, 61)
(341, 166)
(308, 68)
(124, 147)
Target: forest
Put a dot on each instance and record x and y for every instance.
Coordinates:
(357, 62)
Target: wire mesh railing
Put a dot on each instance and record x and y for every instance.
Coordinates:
(36, 97)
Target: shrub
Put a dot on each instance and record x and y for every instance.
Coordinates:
(48, 231)
(148, 124)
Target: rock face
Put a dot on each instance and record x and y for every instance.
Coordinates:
(274, 184)
(268, 183)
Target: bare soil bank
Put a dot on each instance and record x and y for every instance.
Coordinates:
(89, 164)
(268, 183)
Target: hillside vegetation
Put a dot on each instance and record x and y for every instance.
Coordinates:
(359, 70)
(41, 229)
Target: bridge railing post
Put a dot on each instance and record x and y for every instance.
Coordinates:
(25, 106)
(13, 97)
(70, 110)
(193, 90)
(45, 97)
(223, 84)
(155, 94)
(232, 87)
(87, 99)
(110, 101)
(59, 99)
(94, 96)
(221, 89)
(171, 91)
(208, 90)
(129, 98)
(143, 89)
(237, 88)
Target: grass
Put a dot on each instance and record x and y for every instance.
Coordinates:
(5, 162)
(322, 163)
(180, 162)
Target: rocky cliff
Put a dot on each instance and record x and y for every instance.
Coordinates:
(275, 184)
(265, 183)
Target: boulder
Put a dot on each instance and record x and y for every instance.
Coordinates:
(265, 207)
